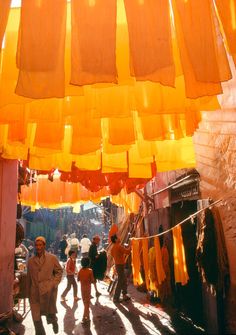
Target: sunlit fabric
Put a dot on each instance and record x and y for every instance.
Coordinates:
(93, 42)
(180, 269)
(161, 276)
(129, 201)
(227, 13)
(152, 269)
(136, 263)
(4, 12)
(144, 243)
(110, 86)
(150, 40)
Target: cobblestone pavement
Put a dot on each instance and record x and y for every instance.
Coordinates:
(135, 317)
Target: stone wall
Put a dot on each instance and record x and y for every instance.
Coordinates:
(215, 149)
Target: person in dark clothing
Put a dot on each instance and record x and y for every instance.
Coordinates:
(62, 246)
(93, 256)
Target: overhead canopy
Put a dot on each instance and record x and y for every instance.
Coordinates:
(111, 85)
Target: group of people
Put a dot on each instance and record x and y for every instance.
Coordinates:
(45, 273)
(72, 243)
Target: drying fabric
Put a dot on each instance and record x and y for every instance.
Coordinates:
(161, 276)
(4, 12)
(150, 19)
(165, 287)
(152, 270)
(136, 263)
(145, 262)
(226, 10)
(204, 64)
(180, 268)
(41, 48)
(93, 41)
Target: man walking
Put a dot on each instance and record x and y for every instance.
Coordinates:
(43, 276)
(85, 245)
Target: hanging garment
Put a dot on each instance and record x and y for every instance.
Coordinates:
(165, 287)
(161, 276)
(180, 269)
(145, 262)
(152, 270)
(136, 264)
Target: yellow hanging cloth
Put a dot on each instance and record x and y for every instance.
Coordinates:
(152, 270)
(181, 274)
(145, 262)
(161, 276)
(137, 279)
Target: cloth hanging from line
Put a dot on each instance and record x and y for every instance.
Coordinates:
(93, 42)
(145, 262)
(180, 268)
(136, 264)
(159, 266)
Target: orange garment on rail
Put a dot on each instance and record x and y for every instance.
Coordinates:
(93, 42)
(150, 19)
(180, 268)
(159, 266)
(41, 49)
(4, 12)
(145, 261)
(136, 264)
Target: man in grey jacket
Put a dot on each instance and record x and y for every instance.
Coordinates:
(44, 273)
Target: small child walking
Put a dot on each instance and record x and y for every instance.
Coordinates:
(70, 274)
(85, 276)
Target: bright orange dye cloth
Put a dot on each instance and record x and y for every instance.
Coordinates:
(41, 49)
(152, 269)
(180, 268)
(227, 10)
(4, 12)
(93, 42)
(150, 19)
(161, 276)
(145, 261)
(137, 279)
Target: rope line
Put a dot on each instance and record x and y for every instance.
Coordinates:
(190, 217)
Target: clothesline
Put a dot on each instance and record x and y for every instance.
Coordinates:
(190, 217)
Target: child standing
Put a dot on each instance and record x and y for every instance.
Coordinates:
(70, 272)
(85, 276)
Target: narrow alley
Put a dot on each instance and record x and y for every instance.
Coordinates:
(134, 317)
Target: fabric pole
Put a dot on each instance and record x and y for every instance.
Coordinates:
(4, 12)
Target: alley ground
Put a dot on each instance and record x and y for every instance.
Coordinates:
(136, 317)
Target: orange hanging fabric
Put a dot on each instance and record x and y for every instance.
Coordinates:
(137, 279)
(4, 12)
(150, 40)
(152, 270)
(202, 51)
(227, 13)
(181, 274)
(93, 42)
(161, 276)
(146, 261)
(41, 47)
